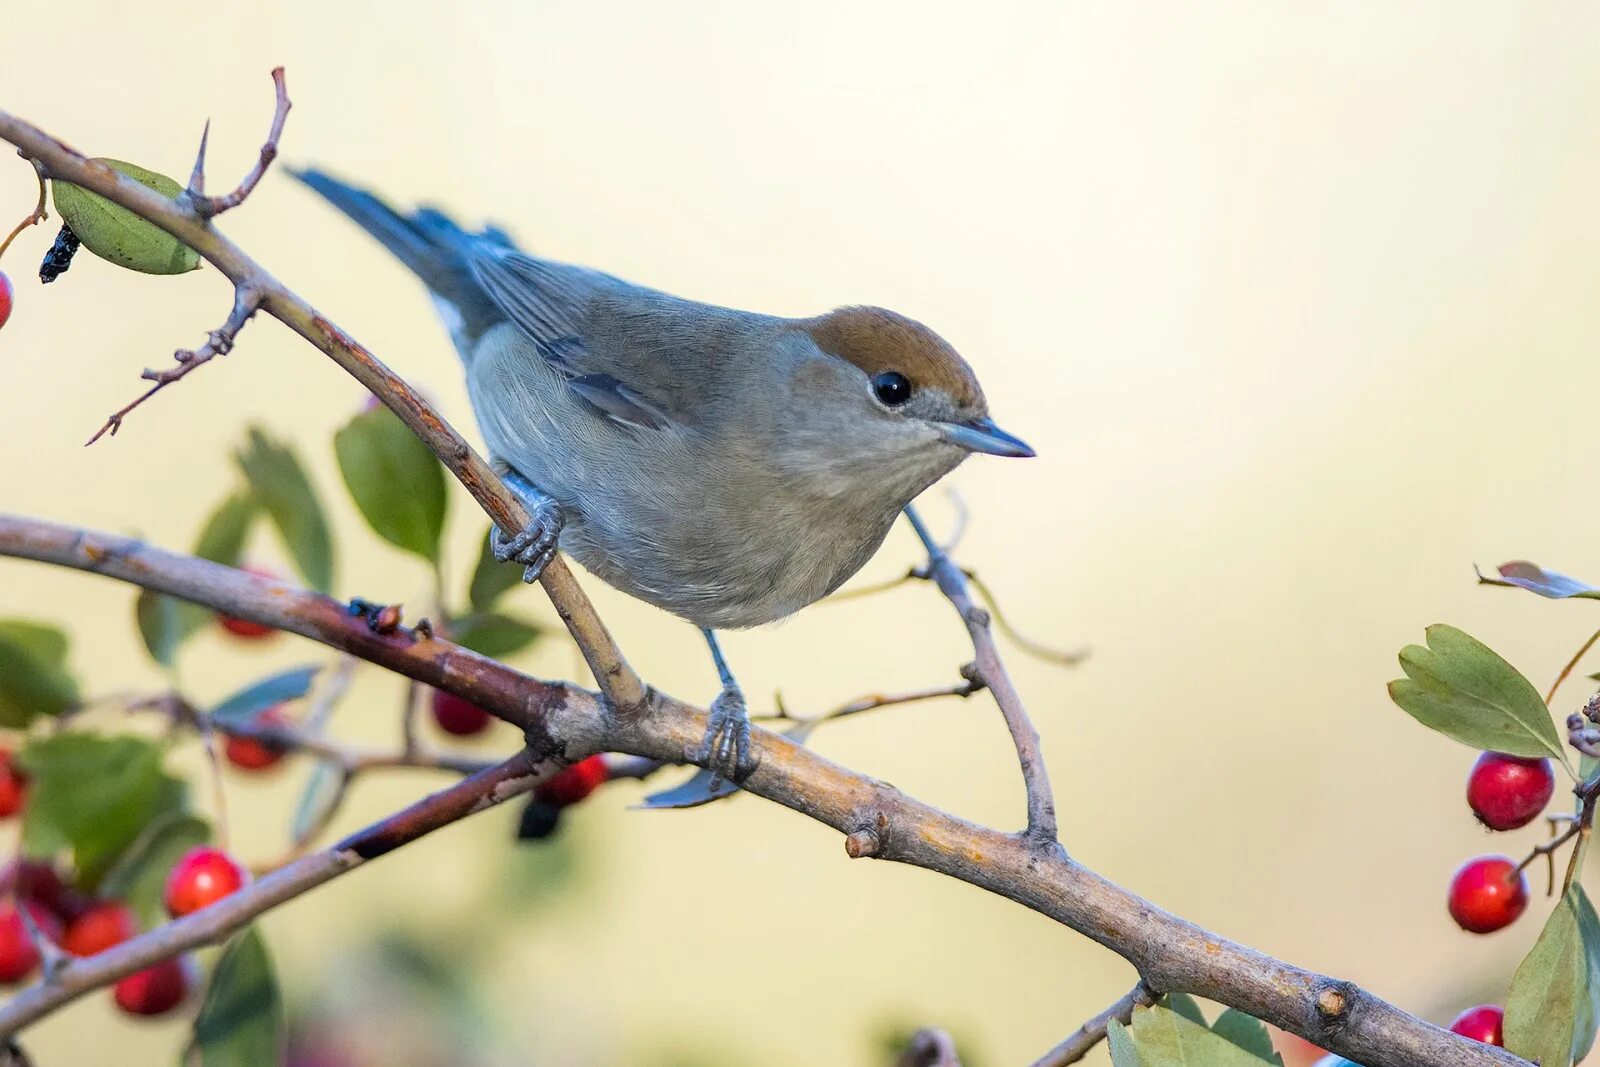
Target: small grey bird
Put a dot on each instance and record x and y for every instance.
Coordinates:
(727, 466)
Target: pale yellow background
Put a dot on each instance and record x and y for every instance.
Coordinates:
(1295, 301)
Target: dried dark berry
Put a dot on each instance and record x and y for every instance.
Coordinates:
(59, 258)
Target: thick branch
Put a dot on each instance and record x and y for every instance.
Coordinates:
(611, 671)
(1091, 1033)
(566, 722)
(990, 671)
(209, 925)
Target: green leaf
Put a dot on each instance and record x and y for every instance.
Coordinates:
(140, 874)
(116, 234)
(324, 789)
(34, 679)
(280, 484)
(1124, 1053)
(1184, 1005)
(396, 481)
(1248, 1032)
(241, 1023)
(1547, 994)
(165, 622)
(1461, 688)
(493, 635)
(94, 795)
(223, 537)
(1165, 1038)
(1588, 1015)
(1535, 579)
(491, 579)
(260, 695)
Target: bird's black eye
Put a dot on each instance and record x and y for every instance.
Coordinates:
(892, 388)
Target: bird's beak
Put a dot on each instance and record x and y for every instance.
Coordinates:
(982, 435)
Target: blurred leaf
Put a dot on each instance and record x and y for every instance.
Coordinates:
(1588, 1016)
(34, 679)
(324, 789)
(280, 484)
(241, 1023)
(491, 579)
(493, 635)
(94, 795)
(396, 480)
(1185, 1005)
(116, 234)
(260, 695)
(223, 537)
(1548, 998)
(1535, 579)
(165, 623)
(140, 874)
(1248, 1032)
(1461, 688)
(1160, 1037)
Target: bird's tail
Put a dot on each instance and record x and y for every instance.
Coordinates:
(428, 242)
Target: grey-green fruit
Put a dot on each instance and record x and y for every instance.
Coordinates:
(114, 233)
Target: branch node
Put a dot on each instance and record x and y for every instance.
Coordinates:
(862, 843)
(1333, 1004)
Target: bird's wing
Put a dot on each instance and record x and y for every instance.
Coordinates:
(553, 304)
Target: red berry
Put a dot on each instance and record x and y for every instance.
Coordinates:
(155, 990)
(203, 876)
(18, 954)
(7, 295)
(250, 631)
(1508, 791)
(38, 881)
(253, 754)
(1487, 894)
(574, 783)
(1482, 1023)
(108, 923)
(13, 783)
(458, 715)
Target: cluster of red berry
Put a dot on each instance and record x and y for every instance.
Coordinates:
(35, 895)
(1489, 893)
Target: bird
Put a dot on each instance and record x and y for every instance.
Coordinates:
(727, 466)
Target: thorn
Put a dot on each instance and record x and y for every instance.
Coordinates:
(197, 177)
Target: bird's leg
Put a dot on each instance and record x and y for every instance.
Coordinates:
(725, 748)
(534, 546)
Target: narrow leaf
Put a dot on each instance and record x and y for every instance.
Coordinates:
(34, 679)
(324, 789)
(1124, 1053)
(260, 695)
(1461, 688)
(396, 480)
(165, 623)
(280, 484)
(492, 635)
(1534, 578)
(241, 1023)
(1542, 1007)
(223, 537)
(491, 579)
(1588, 1015)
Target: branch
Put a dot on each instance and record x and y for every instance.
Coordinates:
(211, 206)
(1093, 1032)
(990, 671)
(75, 977)
(617, 680)
(564, 722)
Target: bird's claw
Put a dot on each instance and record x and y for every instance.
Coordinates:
(534, 546)
(725, 749)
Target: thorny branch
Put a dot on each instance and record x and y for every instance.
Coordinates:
(562, 722)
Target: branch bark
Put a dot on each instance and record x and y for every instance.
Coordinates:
(1091, 1033)
(565, 722)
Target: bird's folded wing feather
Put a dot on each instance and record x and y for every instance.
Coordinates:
(551, 304)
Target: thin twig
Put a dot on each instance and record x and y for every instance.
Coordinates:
(1036, 649)
(1572, 665)
(211, 206)
(991, 671)
(877, 700)
(1091, 1033)
(38, 215)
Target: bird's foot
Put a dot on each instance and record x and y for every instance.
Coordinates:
(725, 748)
(534, 546)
